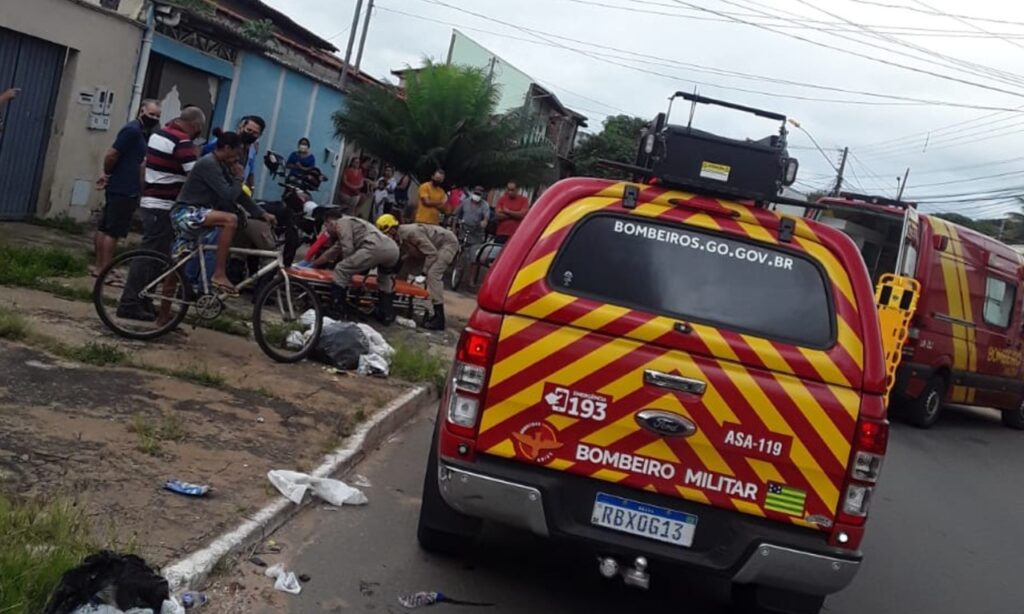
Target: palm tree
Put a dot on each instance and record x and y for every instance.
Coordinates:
(446, 120)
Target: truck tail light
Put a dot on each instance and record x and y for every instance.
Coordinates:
(870, 441)
(469, 377)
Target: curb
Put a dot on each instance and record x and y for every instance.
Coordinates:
(193, 570)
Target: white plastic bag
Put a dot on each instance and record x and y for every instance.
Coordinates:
(373, 364)
(378, 345)
(171, 606)
(294, 485)
(284, 580)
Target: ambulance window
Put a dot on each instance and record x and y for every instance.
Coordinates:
(697, 276)
(999, 297)
(909, 260)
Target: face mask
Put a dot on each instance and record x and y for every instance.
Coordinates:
(149, 122)
(303, 149)
(475, 198)
(247, 138)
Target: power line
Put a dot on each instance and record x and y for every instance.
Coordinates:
(619, 61)
(974, 26)
(937, 13)
(856, 53)
(939, 133)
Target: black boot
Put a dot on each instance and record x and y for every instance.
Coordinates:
(436, 321)
(385, 308)
(339, 302)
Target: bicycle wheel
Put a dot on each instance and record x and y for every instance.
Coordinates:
(458, 272)
(161, 298)
(287, 319)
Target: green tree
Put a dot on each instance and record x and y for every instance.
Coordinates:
(446, 119)
(618, 141)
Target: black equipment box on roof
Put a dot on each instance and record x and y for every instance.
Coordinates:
(695, 159)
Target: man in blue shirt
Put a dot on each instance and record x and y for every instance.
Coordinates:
(122, 179)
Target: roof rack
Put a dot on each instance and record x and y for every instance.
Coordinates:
(877, 200)
(706, 163)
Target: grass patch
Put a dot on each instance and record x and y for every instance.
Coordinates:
(276, 332)
(414, 362)
(63, 222)
(38, 543)
(224, 323)
(13, 325)
(60, 290)
(97, 354)
(29, 266)
(199, 374)
(151, 434)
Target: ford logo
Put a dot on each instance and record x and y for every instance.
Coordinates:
(665, 423)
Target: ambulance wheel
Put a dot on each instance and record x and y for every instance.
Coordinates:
(1014, 418)
(923, 412)
(441, 529)
(754, 599)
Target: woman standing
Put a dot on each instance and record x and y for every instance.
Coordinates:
(351, 185)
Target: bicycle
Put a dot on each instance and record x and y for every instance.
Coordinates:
(479, 261)
(286, 319)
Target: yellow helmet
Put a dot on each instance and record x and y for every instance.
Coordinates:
(386, 222)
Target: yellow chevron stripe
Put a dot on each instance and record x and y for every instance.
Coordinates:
(799, 454)
(765, 470)
(698, 442)
(561, 422)
(768, 354)
(572, 214)
(540, 308)
(506, 449)
(532, 272)
(817, 417)
(693, 495)
(747, 507)
(559, 463)
(851, 342)
(609, 476)
(970, 333)
(659, 450)
(610, 433)
(561, 337)
(824, 366)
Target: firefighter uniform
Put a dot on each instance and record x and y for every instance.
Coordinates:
(360, 247)
(427, 248)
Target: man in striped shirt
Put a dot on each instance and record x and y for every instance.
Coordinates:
(170, 156)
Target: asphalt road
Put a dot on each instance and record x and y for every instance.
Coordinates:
(945, 536)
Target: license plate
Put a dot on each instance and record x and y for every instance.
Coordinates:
(643, 519)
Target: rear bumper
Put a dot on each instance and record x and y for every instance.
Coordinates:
(746, 549)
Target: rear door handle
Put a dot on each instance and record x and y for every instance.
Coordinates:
(674, 382)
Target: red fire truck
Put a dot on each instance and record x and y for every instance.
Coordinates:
(965, 344)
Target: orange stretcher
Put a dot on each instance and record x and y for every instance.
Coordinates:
(409, 297)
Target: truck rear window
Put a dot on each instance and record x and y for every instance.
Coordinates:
(698, 276)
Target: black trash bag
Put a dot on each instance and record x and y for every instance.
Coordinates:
(341, 344)
(127, 578)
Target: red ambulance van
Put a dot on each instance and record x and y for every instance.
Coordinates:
(965, 344)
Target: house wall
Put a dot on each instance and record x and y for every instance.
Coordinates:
(103, 48)
(294, 106)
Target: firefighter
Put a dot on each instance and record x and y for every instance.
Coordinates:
(357, 247)
(427, 249)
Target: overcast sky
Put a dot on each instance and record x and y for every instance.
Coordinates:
(604, 57)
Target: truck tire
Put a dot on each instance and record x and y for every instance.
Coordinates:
(441, 529)
(1014, 418)
(923, 412)
(754, 599)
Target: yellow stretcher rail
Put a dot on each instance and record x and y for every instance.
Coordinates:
(896, 298)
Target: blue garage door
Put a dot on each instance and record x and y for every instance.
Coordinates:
(35, 66)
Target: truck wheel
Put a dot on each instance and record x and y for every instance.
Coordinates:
(923, 412)
(442, 529)
(1014, 418)
(754, 599)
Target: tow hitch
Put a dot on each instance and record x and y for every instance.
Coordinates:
(635, 576)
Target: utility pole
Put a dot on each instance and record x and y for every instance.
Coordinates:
(839, 173)
(903, 184)
(351, 42)
(362, 38)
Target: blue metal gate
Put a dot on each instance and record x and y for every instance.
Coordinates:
(35, 66)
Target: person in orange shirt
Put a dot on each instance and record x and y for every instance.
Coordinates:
(432, 200)
(511, 209)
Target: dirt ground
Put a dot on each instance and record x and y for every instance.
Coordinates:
(71, 430)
